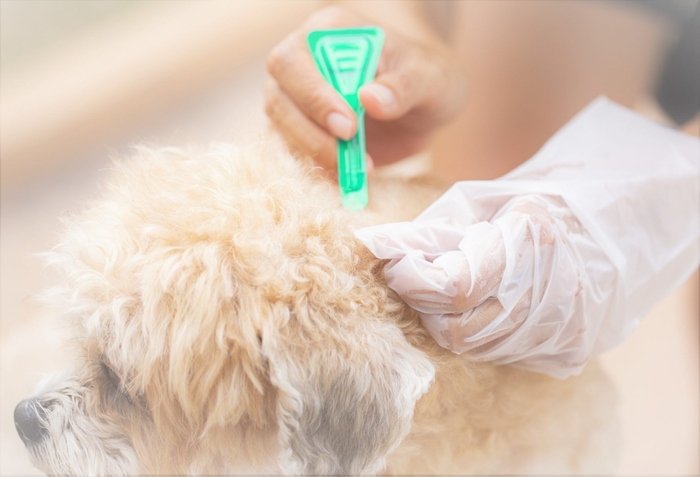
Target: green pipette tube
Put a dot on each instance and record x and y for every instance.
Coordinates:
(348, 59)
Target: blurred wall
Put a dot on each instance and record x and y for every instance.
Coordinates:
(80, 73)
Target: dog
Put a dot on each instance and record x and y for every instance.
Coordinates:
(229, 322)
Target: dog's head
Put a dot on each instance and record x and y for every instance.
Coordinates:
(228, 321)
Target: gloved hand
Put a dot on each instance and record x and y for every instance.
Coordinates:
(545, 273)
(504, 286)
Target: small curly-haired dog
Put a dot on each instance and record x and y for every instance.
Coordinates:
(230, 323)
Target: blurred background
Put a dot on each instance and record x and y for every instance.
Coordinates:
(81, 81)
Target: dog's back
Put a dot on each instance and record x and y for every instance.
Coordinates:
(229, 322)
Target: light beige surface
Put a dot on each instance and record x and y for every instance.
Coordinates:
(656, 370)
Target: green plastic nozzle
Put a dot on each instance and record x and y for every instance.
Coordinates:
(348, 59)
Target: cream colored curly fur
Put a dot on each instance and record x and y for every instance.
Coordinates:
(229, 322)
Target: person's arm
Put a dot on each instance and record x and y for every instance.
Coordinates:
(560, 259)
(531, 66)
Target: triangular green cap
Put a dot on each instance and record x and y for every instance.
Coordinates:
(347, 58)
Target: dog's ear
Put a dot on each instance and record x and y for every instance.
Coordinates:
(344, 403)
(203, 367)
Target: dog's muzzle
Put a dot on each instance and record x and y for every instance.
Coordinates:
(28, 421)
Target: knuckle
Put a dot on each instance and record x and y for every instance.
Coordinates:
(315, 102)
(270, 87)
(272, 61)
(273, 104)
(279, 58)
(270, 108)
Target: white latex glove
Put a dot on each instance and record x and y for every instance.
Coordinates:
(558, 260)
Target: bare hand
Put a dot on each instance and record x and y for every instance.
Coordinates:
(417, 88)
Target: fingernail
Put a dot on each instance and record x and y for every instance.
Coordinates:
(339, 125)
(384, 95)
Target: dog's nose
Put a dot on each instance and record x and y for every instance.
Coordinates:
(28, 417)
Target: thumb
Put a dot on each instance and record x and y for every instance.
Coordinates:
(411, 83)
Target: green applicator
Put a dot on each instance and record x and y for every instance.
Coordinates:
(348, 59)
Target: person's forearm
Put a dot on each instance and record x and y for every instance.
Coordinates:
(559, 260)
(530, 66)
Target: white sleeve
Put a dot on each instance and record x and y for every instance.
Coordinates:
(633, 184)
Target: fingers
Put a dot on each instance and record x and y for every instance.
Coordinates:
(507, 286)
(461, 329)
(304, 109)
(444, 266)
(301, 134)
(412, 78)
(475, 331)
(429, 239)
(484, 254)
(454, 282)
(424, 286)
(297, 129)
(379, 100)
(290, 64)
(396, 92)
